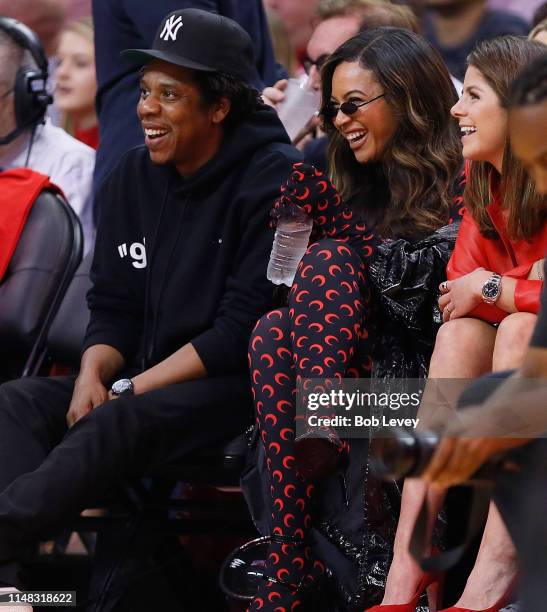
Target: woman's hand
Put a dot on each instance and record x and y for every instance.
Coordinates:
(536, 272)
(309, 189)
(461, 295)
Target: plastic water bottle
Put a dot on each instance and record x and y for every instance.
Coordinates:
(290, 243)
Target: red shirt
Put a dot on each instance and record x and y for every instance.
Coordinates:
(90, 137)
(507, 257)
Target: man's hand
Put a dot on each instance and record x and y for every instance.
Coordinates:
(89, 392)
(272, 96)
(467, 443)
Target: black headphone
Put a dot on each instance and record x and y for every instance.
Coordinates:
(31, 96)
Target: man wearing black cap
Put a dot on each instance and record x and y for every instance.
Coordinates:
(179, 279)
(120, 24)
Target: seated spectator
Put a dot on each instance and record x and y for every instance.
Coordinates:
(77, 83)
(455, 27)
(489, 304)
(395, 157)
(540, 14)
(46, 19)
(335, 24)
(528, 111)
(119, 25)
(525, 10)
(539, 32)
(26, 140)
(179, 278)
(297, 19)
(513, 415)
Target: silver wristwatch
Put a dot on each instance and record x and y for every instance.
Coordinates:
(491, 289)
(124, 386)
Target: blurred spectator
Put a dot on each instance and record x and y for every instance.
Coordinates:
(456, 26)
(523, 8)
(78, 9)
(540, 14)
(297, 17)
(283, 50)
(341, 20)
(122, 25)
(539, 33)
(45, 18)
(25, 140)
(77, 82)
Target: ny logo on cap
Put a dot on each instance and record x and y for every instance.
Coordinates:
(171, 28)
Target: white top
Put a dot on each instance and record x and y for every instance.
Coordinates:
(68, 162)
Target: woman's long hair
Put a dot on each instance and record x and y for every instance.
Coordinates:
(408, 192)
(499, 61)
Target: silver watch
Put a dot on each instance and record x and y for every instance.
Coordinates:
(124, 386)
(491, 289)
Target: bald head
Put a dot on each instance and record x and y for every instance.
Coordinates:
(46, 18)
(11, 56)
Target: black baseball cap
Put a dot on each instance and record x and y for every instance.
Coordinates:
(200, 40)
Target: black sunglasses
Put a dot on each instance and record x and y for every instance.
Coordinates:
(307, 62)
(330, 110)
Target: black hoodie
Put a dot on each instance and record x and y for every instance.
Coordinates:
(182, 260)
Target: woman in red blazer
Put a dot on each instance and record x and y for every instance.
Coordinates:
(489, 304)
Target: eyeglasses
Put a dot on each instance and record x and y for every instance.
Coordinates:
(318, 63)
(330, 110)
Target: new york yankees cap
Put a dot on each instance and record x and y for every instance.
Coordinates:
(200, 40)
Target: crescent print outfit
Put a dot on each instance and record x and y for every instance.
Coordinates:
(322, 333)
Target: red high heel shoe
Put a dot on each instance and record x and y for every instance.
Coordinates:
(501, 603)
(431, 582)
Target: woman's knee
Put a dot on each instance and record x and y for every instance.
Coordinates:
(463, 347)
(512, 339)
(330, 273)
(271, 329)
(329, 251)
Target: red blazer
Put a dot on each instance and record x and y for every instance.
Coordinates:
(504, 256)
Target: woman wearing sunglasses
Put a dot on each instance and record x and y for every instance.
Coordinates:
(363, 297)
(489, 305)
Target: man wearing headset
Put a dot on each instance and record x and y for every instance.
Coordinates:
(26, 138)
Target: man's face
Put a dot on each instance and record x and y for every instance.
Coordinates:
(177, 128)
(528, 136)
(326, 38)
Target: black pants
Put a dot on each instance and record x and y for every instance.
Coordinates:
(521, 498)
(48, 473)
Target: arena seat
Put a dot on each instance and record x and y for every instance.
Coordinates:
(45, 259)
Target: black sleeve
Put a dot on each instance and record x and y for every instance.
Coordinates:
(406, 277)
(116, 298)
(247, 292)
(539, 337)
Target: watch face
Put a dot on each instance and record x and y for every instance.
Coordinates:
(490, 290)
(123, 386)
